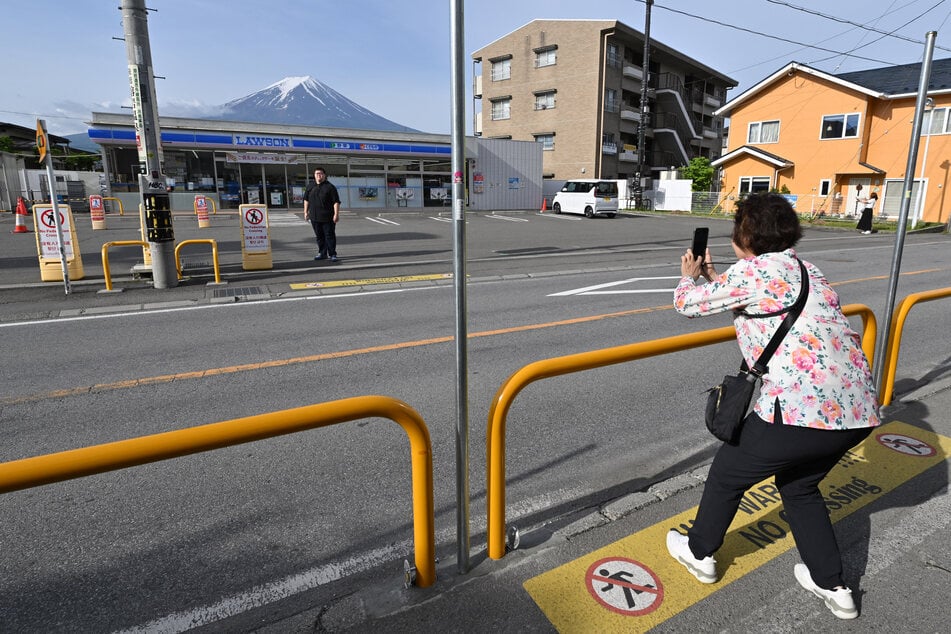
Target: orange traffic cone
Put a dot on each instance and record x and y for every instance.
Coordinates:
(544, 205)
(21, 217)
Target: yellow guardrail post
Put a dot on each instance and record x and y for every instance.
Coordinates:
(77, 463)
(121, 210)
(894, 337)
(498, 411)
(105, 257)
(214, 255)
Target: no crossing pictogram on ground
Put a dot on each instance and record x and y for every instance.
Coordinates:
(906, 445)
(624, 586)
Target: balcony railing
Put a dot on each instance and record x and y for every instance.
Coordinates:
(630, 115)
(608, 148)
(627, 155)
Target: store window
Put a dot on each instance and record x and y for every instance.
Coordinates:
(437, 183)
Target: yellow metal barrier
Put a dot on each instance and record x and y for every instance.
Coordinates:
(894, 337)
(77, 463)
(121, 210)
(105, 256)
(214, 255)
(495, 437)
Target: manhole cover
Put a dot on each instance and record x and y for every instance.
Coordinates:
(247, 291)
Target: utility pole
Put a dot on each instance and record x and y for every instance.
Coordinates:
(153, 194)
(645, 107)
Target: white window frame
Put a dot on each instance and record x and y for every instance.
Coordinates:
(845, 116)
(754, 133)
(546, 57)
(547, 140)
(545, 100)
(825, 187)
(749, 180)
(501, 109)
(502, 69)
(927, 123)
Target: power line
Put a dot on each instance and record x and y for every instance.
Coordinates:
(864, 26)
(771, 37)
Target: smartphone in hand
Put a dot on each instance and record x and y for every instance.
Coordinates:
(699, 248)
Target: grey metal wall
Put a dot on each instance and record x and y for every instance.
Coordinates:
(505, 174)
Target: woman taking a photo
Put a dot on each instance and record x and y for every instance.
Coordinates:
(817, 399)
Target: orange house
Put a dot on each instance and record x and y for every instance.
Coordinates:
(832, 139)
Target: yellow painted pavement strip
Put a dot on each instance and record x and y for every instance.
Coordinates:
(372, 280)
(633, 585)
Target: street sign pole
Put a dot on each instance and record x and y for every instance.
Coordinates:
(42, 145)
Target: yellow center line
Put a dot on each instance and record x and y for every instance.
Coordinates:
(262, 365)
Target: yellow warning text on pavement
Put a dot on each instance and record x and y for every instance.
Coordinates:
(633, 585)
(373, 280)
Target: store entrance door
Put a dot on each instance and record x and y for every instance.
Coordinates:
(252, 184)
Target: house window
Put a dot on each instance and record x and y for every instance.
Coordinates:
(753, 185)
(935, 122)
(545, 100)
(840, 126)
(611, 103)
(502, 69)
(614, 55)
(501, 108)
(763, 132)
(825, 186)
(547, 56)
(891, 203)
(547, 140)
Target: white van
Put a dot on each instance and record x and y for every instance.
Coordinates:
(588, 197)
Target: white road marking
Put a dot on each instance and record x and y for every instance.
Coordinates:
(509, 218)
(441, 219)
(245, 304)
(596, 289)
(285, 219)
(382, 221)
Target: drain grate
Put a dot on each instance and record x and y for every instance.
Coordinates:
(246, 291)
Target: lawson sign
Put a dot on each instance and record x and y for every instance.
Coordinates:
(261, 141)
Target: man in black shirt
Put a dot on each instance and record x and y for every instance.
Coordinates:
(322, 209)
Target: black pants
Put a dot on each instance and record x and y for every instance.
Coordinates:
(799, 458)
(865, 221)
(326, 233)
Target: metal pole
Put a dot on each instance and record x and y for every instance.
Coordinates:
(645, 108)
(923, 82)
(152, 185)
(920, 206)
(459, 281)
(51, 179)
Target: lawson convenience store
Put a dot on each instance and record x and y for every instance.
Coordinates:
(256, 163)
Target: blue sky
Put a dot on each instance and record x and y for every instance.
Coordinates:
(393, 57)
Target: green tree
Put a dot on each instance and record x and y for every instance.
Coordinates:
(700, 172)
(6, 144)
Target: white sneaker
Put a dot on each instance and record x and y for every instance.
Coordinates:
(838, 601)
(705, 570)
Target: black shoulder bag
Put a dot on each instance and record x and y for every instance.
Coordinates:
(728, 403)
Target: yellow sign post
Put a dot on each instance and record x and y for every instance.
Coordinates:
(256, 239)
(48, 245)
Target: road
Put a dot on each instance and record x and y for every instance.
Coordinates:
(239, 528)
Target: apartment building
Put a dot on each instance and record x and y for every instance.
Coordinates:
(575, 86)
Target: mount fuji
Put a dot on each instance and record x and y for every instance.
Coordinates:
(305, 101)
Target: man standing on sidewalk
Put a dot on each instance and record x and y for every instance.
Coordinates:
(322, 209)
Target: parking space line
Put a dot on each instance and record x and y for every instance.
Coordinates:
(509, 218)
(382, 221)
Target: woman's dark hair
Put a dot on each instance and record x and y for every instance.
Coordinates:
(765, 223)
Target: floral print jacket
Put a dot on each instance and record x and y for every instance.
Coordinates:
(819, 374)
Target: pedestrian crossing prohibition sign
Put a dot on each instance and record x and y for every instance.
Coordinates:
(624, 586)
